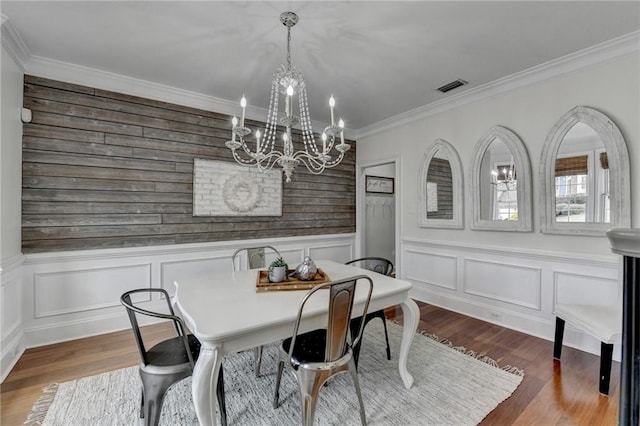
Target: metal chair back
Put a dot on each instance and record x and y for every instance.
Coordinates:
(341, 297)
(255, 257)
(133, 311)
(376, 264)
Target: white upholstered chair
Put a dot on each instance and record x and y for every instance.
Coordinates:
(601, 322)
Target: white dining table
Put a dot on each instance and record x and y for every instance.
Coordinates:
(227, 315)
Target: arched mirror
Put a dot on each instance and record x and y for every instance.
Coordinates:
(584, 179)
(501, 183)
(441, 187)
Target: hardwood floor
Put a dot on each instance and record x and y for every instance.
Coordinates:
(550, 394)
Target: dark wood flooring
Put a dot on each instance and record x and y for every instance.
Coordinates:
(551, 393)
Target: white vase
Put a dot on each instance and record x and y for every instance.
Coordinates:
(277, 274)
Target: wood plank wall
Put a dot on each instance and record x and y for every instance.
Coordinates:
(104, 170)
(439, 172)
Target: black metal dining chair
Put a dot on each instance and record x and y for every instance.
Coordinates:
(255, 258)
(318, 355)
(382, 266)
(166, 362)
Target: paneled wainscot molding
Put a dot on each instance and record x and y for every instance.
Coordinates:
(75, 294)
(513, 287)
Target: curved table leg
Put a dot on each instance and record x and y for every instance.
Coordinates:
(205, 378)
(411, 315)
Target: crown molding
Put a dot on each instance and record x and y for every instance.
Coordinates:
(594, 55)
(58, 70)
(92, 77)
(13, 43)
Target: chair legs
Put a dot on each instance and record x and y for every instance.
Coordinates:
(354, 375)
(310, 383)
(258, 360)
(557, 341)
(276, 395)
(155, 386)
(386, 335)
(221, 398)
(355, 326)
(606, 356)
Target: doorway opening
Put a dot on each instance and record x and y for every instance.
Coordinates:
(379, 211)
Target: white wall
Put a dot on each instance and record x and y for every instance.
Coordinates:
(11, 344)
(10, 157)
(464, 270)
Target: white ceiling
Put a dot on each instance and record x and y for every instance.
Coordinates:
(379, 59)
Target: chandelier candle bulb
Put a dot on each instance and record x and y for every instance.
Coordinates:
(332, 103)
(341, 125)
(257, 141)
(243, 104)
(288, 100)
(234, 123)
(324, 143)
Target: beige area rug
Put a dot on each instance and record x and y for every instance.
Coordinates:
(451, 387)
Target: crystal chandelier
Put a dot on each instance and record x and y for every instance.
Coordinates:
(504, 178)
(288, 82)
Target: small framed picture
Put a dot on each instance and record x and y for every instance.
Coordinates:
(380, 185)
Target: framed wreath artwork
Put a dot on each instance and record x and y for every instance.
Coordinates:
(222, 188)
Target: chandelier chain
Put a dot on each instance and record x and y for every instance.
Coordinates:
(288, 48)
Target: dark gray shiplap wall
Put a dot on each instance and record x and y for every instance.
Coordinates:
(104, 170)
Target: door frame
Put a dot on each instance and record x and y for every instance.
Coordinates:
(361, 207)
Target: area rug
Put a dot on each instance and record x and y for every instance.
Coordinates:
(452, 386)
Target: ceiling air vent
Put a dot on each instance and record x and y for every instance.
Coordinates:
(453, 85)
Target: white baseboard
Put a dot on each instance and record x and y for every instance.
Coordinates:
(58, 332)
(11, 353)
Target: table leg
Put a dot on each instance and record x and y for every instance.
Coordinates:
(411, 316)
(205, 378)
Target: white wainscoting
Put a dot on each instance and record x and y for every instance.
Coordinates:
(512, 284)
(69, 295)
(12, 343)
(70, 291)
(515, 288)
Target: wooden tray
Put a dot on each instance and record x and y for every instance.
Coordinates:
(263, 284)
